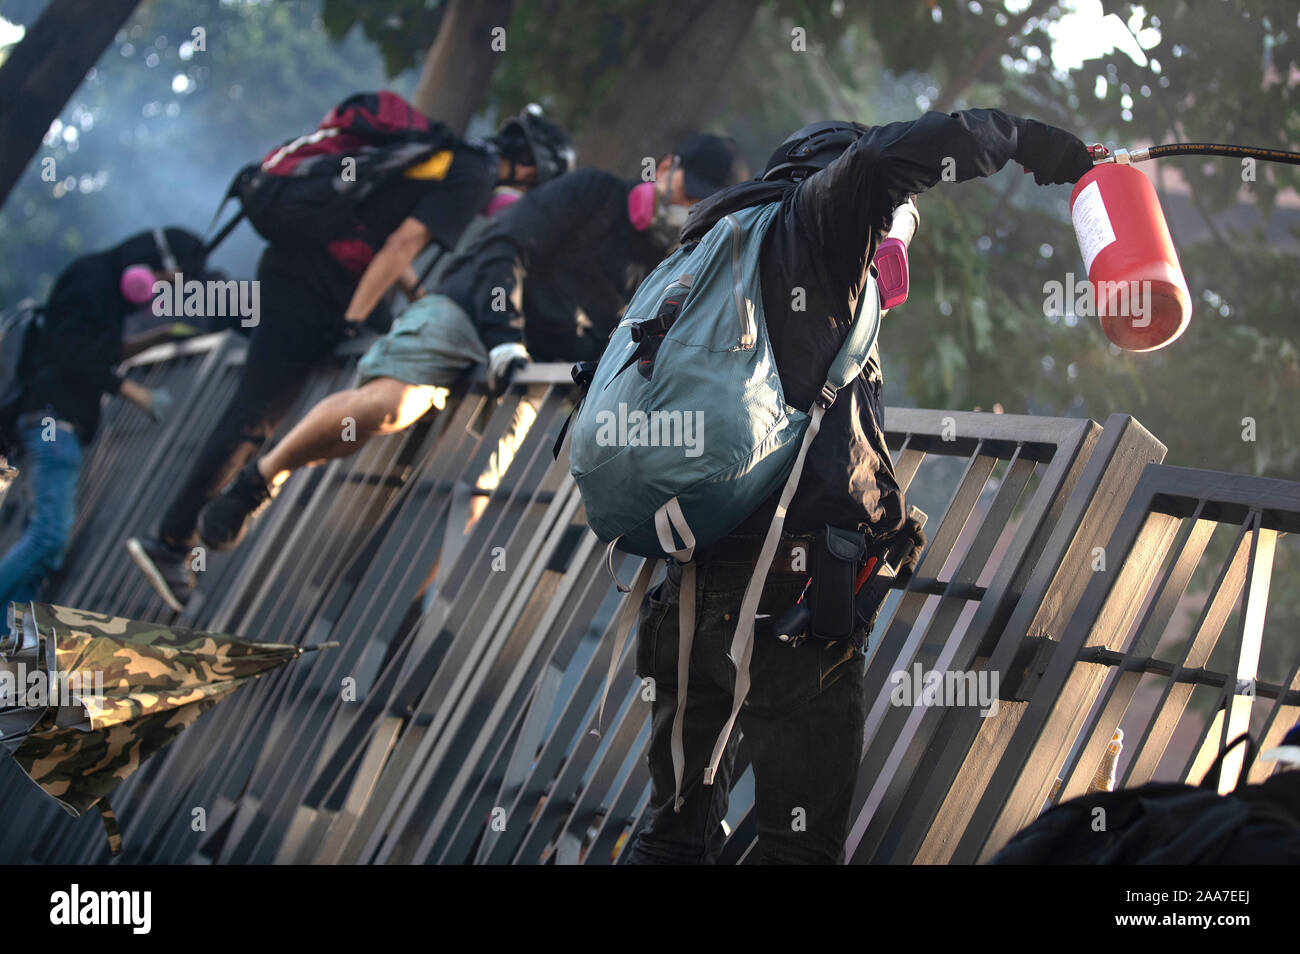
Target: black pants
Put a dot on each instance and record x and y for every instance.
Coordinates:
(297, 331)
(802, 723)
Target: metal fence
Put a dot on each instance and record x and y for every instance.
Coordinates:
(452, 722)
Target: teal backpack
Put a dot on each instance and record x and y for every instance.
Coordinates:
(684, 431)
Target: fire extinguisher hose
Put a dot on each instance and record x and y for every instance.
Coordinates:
(1223, 149)
(1101, 154)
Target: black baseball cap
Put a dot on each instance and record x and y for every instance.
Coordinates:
(710, 163)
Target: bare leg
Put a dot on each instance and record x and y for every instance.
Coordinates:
(342, 422)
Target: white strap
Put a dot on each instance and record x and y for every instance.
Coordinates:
(630, 608)
(169, 262)
(669, 517)
(682, 527)
(664, 532)
(742, 644)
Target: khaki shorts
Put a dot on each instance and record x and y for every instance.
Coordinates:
(431, 343)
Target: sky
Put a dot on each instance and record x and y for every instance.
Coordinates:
(1086, 33)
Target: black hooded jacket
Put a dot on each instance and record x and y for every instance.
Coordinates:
(68, 359)
(821, 243)
(555, 269)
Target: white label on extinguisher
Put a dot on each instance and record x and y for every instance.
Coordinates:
(1091, 223)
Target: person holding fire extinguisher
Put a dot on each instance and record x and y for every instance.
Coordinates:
(837, 185)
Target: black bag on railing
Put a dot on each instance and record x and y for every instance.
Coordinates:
(1169, 823)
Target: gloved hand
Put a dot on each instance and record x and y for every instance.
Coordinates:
(1053, 155)
(916, 532)
(504, 361)
(161, 403)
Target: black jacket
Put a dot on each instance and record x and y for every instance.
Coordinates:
(555, 269)
(68, 359)
(821, 242)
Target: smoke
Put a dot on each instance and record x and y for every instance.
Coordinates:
(187, 94)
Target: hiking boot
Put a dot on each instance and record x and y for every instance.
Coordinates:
(167, 568)
(227, 516)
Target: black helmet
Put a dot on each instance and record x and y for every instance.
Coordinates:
(811, 148)
(530, 139)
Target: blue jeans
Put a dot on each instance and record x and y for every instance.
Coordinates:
(51, 468)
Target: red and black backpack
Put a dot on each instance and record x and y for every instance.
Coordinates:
(308, 189)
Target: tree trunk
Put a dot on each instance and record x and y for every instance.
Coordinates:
(454, 81)
(672, 77)
(45, 69)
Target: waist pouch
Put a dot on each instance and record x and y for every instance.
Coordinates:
(836, 558)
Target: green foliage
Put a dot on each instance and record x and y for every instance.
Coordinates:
(564, 54)
(401, 29)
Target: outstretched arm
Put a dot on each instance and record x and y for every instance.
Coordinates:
(387, 268)
(133, 345)
(845, 205)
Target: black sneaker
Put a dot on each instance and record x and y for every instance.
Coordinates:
(166, 567)
(227, 516)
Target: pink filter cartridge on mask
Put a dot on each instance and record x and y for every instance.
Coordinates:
(137, 285)
(502, 197)
(641, 206)
(891, 272)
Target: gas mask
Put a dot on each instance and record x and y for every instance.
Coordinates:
(651, 212)
(503, 196)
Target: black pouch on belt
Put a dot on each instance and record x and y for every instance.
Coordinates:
(837, 554)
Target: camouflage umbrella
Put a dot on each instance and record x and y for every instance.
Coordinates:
(85, 698)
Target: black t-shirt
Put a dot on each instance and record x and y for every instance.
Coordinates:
(444, 194)
(556, 269)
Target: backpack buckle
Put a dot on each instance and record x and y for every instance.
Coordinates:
(582, 373)
(827, 396)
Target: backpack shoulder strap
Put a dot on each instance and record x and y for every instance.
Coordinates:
(862, 338)
(847, 365)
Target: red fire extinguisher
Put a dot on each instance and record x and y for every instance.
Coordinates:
(1139, 292)
(1138, 288)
